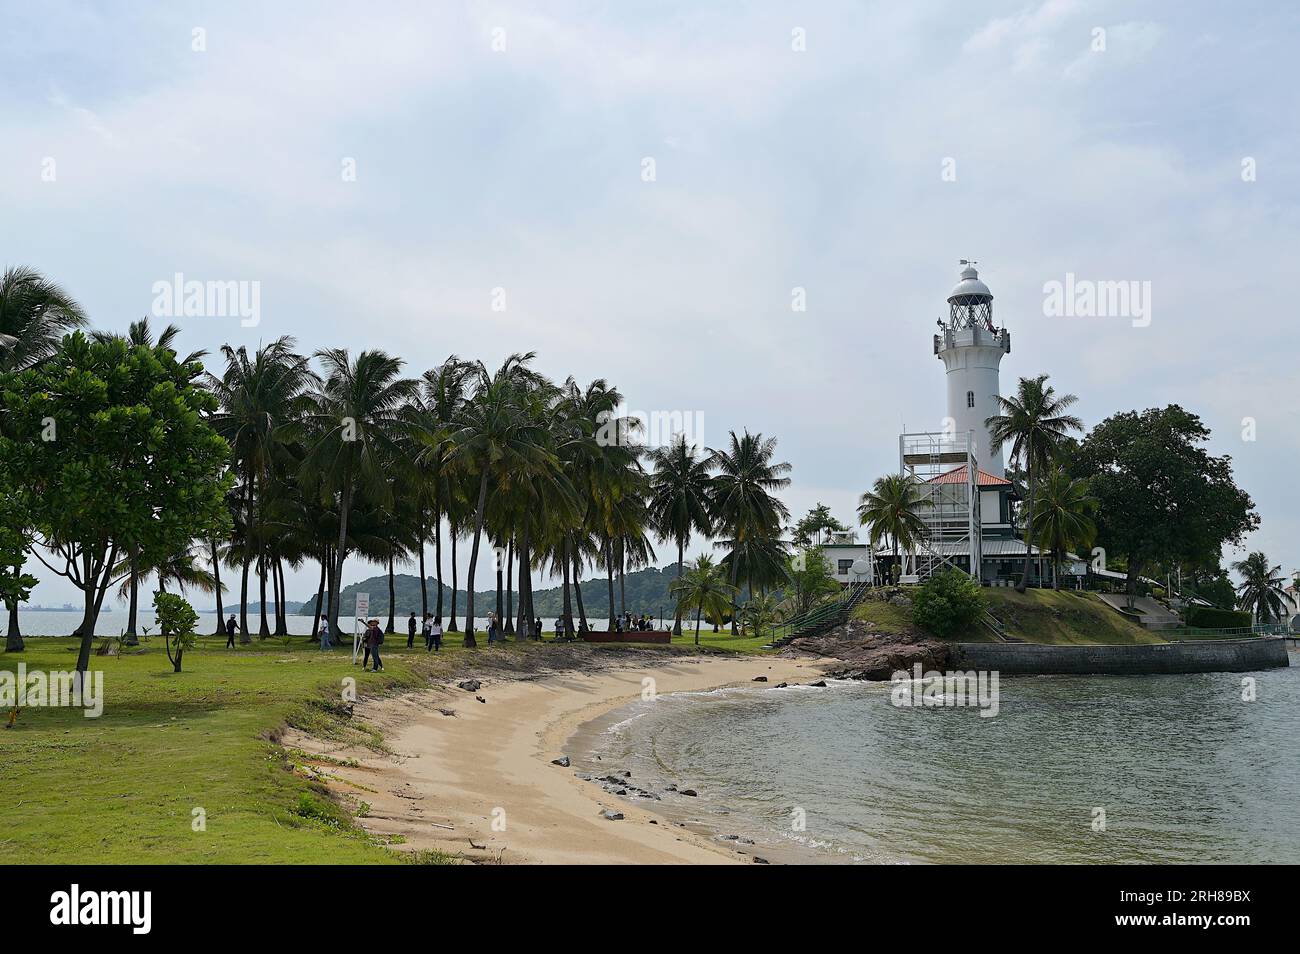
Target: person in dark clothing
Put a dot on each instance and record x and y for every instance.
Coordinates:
(537, 628)
(410, 632)
(374, 639)
(231, 626)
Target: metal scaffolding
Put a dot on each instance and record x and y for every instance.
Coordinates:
(934, 460)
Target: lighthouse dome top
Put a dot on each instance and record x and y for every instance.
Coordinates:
(970, 289)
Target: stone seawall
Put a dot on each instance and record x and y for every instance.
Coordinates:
(1218, 655)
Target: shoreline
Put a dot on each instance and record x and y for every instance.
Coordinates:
(480, 783)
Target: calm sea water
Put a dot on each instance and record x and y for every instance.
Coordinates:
(1183, 768)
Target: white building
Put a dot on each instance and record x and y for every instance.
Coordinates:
(969, 522)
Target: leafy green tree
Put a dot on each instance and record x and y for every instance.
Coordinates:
(1261, 589)
(1162, 497)
(681, 499)
(177, 621)
(810, 579)
(15, 585)
(1036, 426)
(948, 602)
(892, 509)
(705, 588)
(1063, 517)
(35, 313)
(116, 454)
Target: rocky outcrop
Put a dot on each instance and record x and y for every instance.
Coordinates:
(868, 653)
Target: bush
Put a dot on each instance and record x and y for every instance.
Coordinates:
(947, 603)
(1210, 617)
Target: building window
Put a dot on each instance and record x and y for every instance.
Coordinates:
(845, 567)
(970, 398)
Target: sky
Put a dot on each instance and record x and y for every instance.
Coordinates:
(643, 192)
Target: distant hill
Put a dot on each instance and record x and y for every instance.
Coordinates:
(647, 591)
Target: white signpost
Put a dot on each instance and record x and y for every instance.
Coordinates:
(362, 612)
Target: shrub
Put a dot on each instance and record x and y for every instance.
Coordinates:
(1211, 617)
(947, 603)
(176, 619)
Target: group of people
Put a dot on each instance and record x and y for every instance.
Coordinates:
(627, 623)
(430, 629)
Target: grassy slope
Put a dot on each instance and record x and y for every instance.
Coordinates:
(1035, 616)
(121, 788)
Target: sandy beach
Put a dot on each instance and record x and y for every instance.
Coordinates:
(480, 783)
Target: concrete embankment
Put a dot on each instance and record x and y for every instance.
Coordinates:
(1218, 655)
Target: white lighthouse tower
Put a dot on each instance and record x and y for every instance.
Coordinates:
(971, 348)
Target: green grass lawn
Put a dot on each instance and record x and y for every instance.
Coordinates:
(122, 788)
(1035, 616)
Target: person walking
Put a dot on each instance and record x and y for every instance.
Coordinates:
(365, 642)
(323, 631)
(231, 626)
(492, 628)
(410, 631)
(375, 639)
(426, 630)
(435, 635)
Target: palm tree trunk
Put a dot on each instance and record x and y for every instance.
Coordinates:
(392, 597)
(609, 573)
(276, 597)
(282, 603)
(129, 638)
(735, 575)
(677, 614)
(568, 606)
(525, 586)
(320, 596)
(699, 609)
(216, 576)
(340, 555)
(622, 579)
(510, 586)
(451, 625)
(577, 591)
(437, 559)
(473, 559)
(501, 581)
(1029, 517)
(264, 630)
(244, 638)
(424, 583)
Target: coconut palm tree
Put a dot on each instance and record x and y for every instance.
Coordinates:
(1063, 517)
(492, 438)
(744, 507)
(760, 613)
(443, 391)
(703, 587)
(892, 508)
(681, 499)
(35, 314)
(1261, 589)
(1036, 426)
(263, 400)
(361, 412)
